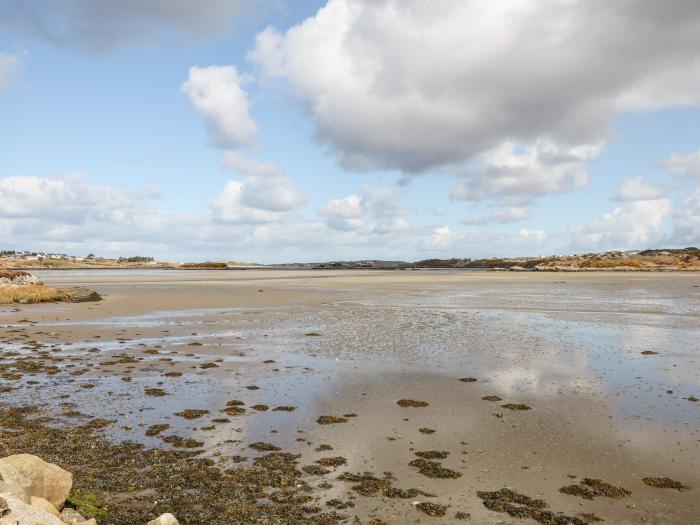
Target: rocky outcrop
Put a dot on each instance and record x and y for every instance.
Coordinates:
(24, 288)
(24, 476)
(18, 278)
(80, 294)
(33, 492)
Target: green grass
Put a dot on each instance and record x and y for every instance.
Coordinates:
(87, 504)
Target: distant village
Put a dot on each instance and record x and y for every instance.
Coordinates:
(90, 258)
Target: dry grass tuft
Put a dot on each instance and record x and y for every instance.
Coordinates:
(615, 263)
(30, 293)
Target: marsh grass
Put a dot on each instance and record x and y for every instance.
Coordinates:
(614, 263)
(30, 293)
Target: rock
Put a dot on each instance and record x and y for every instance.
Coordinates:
(165, 519)
(91, 521)
(80, 294)
(24, 476)
(71, 516)
(4, 509)
(18, 278)
(22, 514)
(26, 279)
(42, 504)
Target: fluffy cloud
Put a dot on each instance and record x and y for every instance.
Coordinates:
(686, 221)
(512, 175)
(9, 64)
(637, 189)
(686, 166)
(632, 226)
(230, 206)
(262, 197)
(71, 215)
(376, 211)
(267, 193)
(104, 24)
(216, 93)
(257, 200)
(536, 236)
(344, 214)
(444, 241)
(63, 200)
(413, 85)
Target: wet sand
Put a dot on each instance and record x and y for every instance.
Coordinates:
(352, 344)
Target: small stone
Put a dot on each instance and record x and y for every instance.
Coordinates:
(71, 516)
(164, 519)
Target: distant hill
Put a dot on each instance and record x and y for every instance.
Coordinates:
(646, 260)
(661, 259)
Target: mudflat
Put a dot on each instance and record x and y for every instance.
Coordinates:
(364, 396)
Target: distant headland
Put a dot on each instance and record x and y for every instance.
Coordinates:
(665, 259)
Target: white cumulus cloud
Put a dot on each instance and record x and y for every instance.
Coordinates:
(264, 196)
(637, 189)
(513, 175)
(686, 166)
(686, 221)
(638, 224)
(216, 92)
(344, 214)
(63, 200)
(413, 85)
(375, 211)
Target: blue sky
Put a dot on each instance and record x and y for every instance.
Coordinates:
(381, 131)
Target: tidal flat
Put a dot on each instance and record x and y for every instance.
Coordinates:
(278, 396)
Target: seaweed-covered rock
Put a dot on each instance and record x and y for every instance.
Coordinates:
(80, 294)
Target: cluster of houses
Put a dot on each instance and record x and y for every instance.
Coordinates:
(44, 256)
(41, 256)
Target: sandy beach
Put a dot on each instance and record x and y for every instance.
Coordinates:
(531, 382)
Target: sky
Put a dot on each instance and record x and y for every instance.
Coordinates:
(297, 130)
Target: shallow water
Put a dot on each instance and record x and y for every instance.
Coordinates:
(569, 346)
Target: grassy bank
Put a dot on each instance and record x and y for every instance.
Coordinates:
(31, 293)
